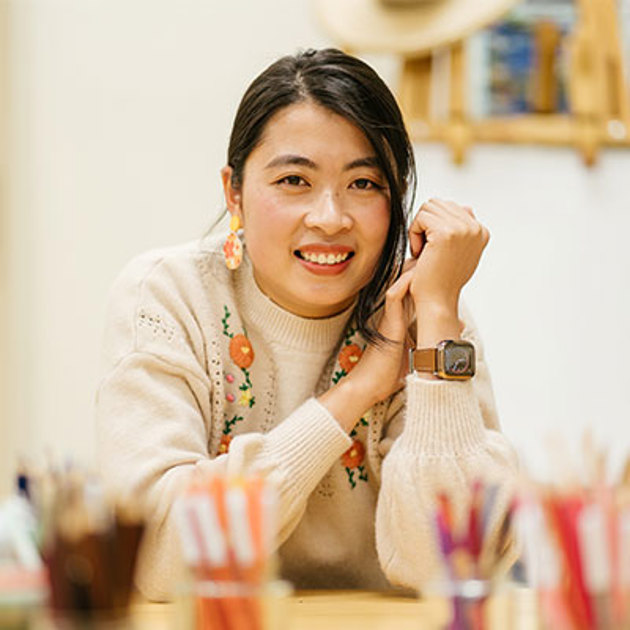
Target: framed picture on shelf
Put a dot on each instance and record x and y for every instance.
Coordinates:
(518, 66)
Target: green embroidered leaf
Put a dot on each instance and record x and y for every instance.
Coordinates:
(350, 473)
(363, 474)
(252, 401)
(224, 321)
(247, 379)
(353, 433)
(364, 422)
(338, 376)
(230, 423)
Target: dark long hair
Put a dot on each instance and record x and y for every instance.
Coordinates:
(350, 88)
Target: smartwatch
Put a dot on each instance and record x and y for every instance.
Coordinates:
(450, 360)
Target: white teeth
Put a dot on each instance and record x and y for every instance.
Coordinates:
(324, 259)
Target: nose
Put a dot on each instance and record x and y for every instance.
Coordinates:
(327, 214)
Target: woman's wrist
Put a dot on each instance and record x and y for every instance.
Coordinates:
(347, 402)
(436, 321)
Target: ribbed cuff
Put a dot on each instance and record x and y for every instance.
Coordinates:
(443, 417)
(307, 443)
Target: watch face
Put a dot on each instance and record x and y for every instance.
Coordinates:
(459, 359)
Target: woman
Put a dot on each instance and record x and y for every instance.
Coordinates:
(284, 365)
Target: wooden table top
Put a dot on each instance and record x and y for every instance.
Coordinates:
(352, 610)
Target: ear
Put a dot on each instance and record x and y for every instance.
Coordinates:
(232, 194)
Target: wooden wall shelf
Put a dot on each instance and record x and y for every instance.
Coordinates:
(551, 129)
(598, 94)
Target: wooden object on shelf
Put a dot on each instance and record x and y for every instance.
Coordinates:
(598, 94)
(597, 90)
(458, 132)
(414, 95)
(415, 87)
(544, 94)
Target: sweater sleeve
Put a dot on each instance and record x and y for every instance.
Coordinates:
(153, 414)
(446, 436)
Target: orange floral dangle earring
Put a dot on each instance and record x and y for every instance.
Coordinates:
(233, 248)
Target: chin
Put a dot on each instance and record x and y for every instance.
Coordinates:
(326, 308)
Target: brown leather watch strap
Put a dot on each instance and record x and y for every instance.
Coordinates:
(424, 360)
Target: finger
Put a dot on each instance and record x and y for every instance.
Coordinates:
(440, 215)
(417, 237)
(431, 219)
(394, 322)
(410, 263)
(469, 211)
(462, 215)
(399, 289)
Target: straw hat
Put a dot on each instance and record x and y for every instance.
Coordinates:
(408, 27)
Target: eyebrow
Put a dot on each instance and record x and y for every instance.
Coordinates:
(299, 160)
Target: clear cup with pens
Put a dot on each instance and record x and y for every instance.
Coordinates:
(226, 528)
(475, 560)
(574, 538)
(90, 549)
(576, 554)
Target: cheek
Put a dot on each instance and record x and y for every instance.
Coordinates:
(377, 227)
(266, 224)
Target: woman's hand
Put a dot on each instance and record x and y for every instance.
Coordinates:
(382, 368)
(447, 241)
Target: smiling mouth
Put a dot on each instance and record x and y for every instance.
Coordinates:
(321, 258)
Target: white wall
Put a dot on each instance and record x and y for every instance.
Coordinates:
(120, 112)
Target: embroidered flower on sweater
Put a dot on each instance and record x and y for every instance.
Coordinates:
(245, 398)
(354, 456)
(352, 460)
(242, 353)
(224, 445)
(226, 438)
(349, 357)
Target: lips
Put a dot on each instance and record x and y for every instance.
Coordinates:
(325, 255)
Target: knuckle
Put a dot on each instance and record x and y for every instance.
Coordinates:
(447, 233)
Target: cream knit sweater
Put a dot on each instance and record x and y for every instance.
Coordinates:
(179, 390)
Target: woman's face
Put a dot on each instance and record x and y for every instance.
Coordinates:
(315, 210)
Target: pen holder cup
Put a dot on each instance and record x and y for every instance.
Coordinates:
(222, 605)
(468, 605)
(74, 620)
(471, 604)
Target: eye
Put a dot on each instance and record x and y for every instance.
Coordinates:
(293, 180)
(363, 183)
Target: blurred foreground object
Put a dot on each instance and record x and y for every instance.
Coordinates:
(429, 36)
(574, 535)
(88, 549)
(475, 558)
(23, 584)
(227, 528)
